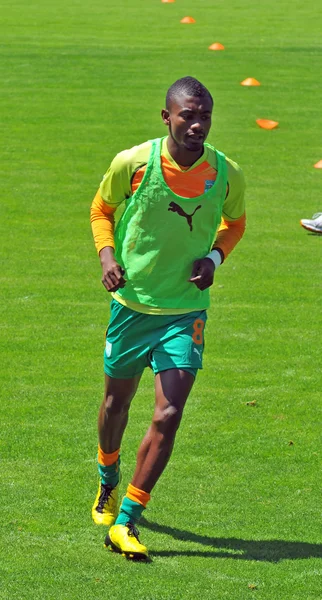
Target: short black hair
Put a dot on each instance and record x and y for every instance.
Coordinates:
(187, 86)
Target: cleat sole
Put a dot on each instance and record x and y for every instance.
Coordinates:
(128, 555)
(139, 556)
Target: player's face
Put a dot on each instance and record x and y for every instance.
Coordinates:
(189, 121)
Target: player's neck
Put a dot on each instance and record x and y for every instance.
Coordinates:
(183, 157)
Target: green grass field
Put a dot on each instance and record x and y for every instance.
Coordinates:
(237, 513)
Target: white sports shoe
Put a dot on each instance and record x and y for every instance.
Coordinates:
(314, 224)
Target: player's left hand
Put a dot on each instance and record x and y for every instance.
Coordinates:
(203, 273)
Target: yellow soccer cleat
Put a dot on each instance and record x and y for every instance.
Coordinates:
(105, 507)
(124, 539)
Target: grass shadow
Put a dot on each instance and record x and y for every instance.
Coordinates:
(261, 550)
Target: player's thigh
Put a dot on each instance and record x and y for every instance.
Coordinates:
(121, 390)
(172, 387)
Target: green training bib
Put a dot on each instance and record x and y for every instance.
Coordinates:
(160, 235)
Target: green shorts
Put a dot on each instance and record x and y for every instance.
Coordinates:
(135, 340)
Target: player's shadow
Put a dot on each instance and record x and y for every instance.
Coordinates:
(263, 550)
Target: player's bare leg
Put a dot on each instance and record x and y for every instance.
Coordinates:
(112, 420)
(172, 389)
(113, 413)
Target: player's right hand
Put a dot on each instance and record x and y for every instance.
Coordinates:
(113, 279)
(112, 272)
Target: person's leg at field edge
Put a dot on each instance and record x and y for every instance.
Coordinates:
(112, 421)
(172, 388)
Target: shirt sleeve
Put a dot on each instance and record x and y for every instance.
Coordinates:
(102, 222)
(234, 205)
(116, 183)
(114, 189)
(229, 234)
(233, 222)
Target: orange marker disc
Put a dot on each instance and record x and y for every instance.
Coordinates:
(187, 20)
(167, 1)
(318, 165)
(216, 46)
(266, 123)
(250, 81)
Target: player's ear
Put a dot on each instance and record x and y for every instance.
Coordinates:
(165, 116)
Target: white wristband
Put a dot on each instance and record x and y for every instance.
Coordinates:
(215, 256)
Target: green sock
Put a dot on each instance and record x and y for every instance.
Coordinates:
(110, 475)
(129, 511)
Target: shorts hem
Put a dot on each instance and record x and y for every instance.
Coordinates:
(185, 368)
(122, 376)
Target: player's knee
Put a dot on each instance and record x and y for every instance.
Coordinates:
(114, 406)
(167, 420)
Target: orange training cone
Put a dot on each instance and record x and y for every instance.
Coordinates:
(266, 123)
(167, 1)
(250, 81)
(318, 165)
(187, 20)
(216, 46)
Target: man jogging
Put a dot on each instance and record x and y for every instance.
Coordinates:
(183, 213)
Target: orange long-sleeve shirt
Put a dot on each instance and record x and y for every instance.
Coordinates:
(126, 173)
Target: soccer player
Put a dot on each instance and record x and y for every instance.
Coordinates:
(183, 213)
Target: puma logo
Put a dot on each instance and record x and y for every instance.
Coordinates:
(176, 208)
